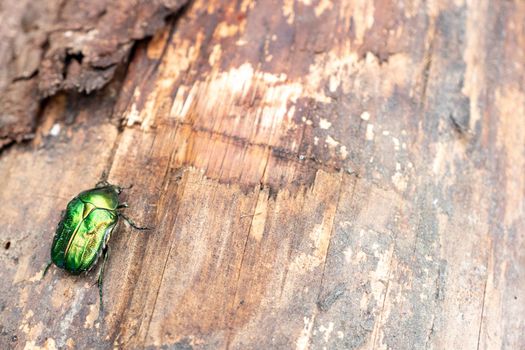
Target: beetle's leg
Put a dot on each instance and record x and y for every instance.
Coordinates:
(132, 224)
(101, 275)
(122, 206)
(46, 268)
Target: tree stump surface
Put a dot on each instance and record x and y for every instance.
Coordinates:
(318, 174)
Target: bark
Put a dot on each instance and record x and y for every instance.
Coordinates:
(57, 45)
(340, 175)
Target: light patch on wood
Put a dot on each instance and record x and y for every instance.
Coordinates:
(35, 330)
(440, 157)
(32, 331)
(249, 97)
(362, 12)
(241, 42)
(224, 91)
(38, 276)
(322, 6)
(327, 331)
(215, 55)
(363, 303)
(178, 58)
(510, 102)
(348, 252)
(158, 43)
(67, 320)
(22, 269)
(344, 152)
(179, 100)
(377, 217)
(91, 316)
(330, 141)
(369, 132)
(365, 116)
(225, 30)
(394, 74)
(321, 233)
(413, 8)
(358, 259)
(303, 340)
(324, 124)
(399, 181)
(339, 64)
(55, 130)
(183, 54)
(133, 116)
(49, 344)
(24, 325)
(379, 277)
(288, 10)
(334, 66)
(434, 8)
(149, 111)
(24, 295)
(395, 140)
(259, 218)
(61, 293)
(333, 83)
(246, 5)
(320, 236)
(474, 82)
(182, 102)
(304, 263)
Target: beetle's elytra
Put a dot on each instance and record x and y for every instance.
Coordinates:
(84, 230)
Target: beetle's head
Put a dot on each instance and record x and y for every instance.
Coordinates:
(119, 189)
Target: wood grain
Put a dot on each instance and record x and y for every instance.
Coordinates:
(319, 175)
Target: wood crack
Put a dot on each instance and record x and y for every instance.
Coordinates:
(387, 289)
(238, 278)
(428, 62)
(480, 328)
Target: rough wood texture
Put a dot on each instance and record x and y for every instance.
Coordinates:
(53, 45)
(339, 175)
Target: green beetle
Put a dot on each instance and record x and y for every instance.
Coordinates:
(84, 230)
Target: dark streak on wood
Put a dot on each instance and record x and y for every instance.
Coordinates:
(328, 300)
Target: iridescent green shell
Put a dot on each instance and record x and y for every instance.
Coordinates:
(85, 228)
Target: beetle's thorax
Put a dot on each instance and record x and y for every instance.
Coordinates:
(103, 197)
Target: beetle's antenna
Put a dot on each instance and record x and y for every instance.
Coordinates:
(104, 177)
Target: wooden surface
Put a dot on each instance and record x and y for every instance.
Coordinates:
(320, 175)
